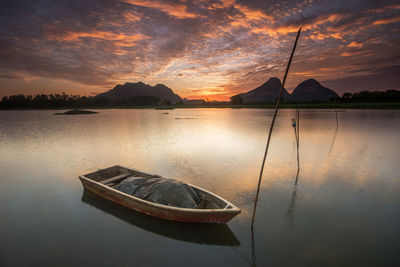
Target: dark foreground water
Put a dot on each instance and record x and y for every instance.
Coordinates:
(345, 209)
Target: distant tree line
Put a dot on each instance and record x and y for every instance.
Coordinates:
(72, 101)
(372, 96)
(236, 100)
(75, 101)
(388, 96)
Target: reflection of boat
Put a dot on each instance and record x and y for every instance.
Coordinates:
(212, 209)
(211, 234)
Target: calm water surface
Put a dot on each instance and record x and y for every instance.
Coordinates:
(345, 209)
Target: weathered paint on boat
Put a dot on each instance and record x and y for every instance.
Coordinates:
(221, 212)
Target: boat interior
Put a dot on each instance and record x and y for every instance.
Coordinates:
(115, 174)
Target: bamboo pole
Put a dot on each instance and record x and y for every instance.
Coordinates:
(294, 125)
(272, 126)
(296, 128)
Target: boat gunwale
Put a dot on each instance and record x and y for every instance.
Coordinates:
(232, 209)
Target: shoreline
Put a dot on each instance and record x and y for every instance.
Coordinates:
(266, 106)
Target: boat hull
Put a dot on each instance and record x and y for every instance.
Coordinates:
(162, 211)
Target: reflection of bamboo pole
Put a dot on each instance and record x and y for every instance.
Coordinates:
(251, 262)
(292, 204)
(253, 250)
(333, 141)
(337, 121)
(296, 129)
(298, 137)
(272, 126)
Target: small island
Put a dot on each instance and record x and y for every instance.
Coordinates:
(76, 112)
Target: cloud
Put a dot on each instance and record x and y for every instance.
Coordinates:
(386, 21)
(174, 9)
(73, 36)
(355, 44)
(220, 47)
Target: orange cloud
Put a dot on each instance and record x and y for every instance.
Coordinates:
(349, 54)
(173, 9)
(330, 18)
(119, 38)
(252, 14)
(322, 36)
(273, 31)
(338, 68)
(355, 44)
(129, 17)
(249, 16)
(240, 23)
(379, 10)
(306, 74)
(222, 4)
(386, 21)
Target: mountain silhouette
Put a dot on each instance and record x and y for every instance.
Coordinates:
(121, 92)
(267, 92)
(312, 90)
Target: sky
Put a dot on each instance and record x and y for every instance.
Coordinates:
(200, 49)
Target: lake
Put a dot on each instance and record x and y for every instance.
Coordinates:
(344, 210)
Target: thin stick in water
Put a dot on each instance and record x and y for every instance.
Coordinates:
(272, 126)
(337, 121)
(294, 125)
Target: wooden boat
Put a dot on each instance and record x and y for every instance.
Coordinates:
(213, 208)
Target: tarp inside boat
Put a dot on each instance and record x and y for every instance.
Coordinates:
(160, 190)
